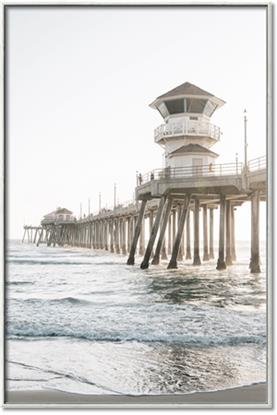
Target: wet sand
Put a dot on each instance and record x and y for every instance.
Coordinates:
(243, 396)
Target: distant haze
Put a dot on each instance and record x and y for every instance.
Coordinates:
(79, 83)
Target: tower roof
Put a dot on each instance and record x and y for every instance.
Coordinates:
(193, 148)
(59, 210)
(187, 90)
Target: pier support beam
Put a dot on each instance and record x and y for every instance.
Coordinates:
(131, 258)
(169, 242)
(228, 258)
(221, 262)
(40, 237)
(181, 249)
(156, 259)
(255, 225)
(188, 251)
(155, 228)
(123, 236)
(233, 234)
(173, 226)
(106, 233)
(111, 237)
(24, 234)
(211, 234)
(142, 238)
(116, 236)
(205, 234)
(196, 255)
(181, 223)
(163, 252)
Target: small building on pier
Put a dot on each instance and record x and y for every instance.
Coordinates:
(60, 215)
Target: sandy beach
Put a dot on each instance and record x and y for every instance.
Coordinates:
(244, 396)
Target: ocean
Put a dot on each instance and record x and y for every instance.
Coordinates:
(82, 321)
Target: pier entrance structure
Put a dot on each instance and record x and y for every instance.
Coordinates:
(170, 198)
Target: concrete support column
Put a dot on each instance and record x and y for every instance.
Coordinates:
(120, 233)
(220, 262)
(196, 255)
(233, 234)
(155, 228)
(131, 259)
(163, 253)
(151, 221)
(129, 224)
(169, 242)
(124, 249)
(173, 226)
(188, 251)
(93, 235)
(96, 234)
(177, 242)
(156, 258)
(101, 234)
(228, 258)
(116, 236)
(255, 237)
(111, 235)
(205, 234)
(40, 237)
(211, 235)
(142, 238)
(181, 248)
(106, 230)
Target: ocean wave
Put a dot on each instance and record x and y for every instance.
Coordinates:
(46, 262)
(19, 282)
(55, 301)
(189, 340)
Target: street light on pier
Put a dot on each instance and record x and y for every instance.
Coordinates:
(114, 196)
(245, 140)
(99, 201)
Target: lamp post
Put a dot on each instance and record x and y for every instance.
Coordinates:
(114, 195)
(245, 141)
(99, 202)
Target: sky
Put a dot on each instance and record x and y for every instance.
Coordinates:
(79, 84)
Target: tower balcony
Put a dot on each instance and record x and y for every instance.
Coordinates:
(189, 128)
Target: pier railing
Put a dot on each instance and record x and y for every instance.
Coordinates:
(209, 170)
(188, 127)
(258, 163)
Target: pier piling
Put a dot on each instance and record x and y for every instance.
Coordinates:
(255, 224)
(196, 255)
(156, 259)
(211, 234)
(205, 234)
(131, 259)
(188, 251)
(155, 228)
(181, 223)
(221, 262)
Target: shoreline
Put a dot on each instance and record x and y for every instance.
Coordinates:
(245, 395)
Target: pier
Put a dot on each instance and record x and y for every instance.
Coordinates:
(169, 199)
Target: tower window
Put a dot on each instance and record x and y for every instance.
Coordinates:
(163, 110)
(175, 106)
(195, 105)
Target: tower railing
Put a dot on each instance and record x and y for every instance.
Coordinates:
(187, 127)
